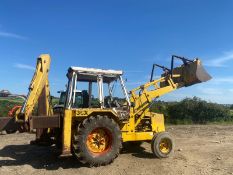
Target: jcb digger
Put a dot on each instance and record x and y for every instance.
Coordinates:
(93, 129)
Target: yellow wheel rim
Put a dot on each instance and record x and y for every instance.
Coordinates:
(99, 141)
(165, 146)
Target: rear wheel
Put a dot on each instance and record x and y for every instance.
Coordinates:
(97, 141)
(162, 145)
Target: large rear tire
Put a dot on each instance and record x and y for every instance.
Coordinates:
(97, 141)
(162, 145)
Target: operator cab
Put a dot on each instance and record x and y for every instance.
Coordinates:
(81, 99)
(96, 83)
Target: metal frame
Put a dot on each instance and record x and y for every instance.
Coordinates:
(124, 90)
(167, 70)
(100, 90)
(100, 75)
(183, 59)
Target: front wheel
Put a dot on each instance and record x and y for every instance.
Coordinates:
(97, 141)
(162, 145)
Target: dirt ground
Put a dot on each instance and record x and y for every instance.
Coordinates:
(199, 150)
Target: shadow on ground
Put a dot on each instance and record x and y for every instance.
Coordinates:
(137, 150)
(41, 157)
(37, 156)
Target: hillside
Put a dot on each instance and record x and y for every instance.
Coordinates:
(6, 104)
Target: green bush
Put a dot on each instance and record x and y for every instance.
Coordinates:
(193, 111)
(188, 111)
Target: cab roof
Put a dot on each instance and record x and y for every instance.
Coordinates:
(90, 74)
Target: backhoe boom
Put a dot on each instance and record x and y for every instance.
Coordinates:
(39, 83)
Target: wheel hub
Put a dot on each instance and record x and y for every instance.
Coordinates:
(165, 146)
(99, 141)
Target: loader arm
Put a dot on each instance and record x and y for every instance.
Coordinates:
(189, 73)
(142, 96)
(39, 92)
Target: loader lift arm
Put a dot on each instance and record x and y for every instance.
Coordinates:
(143, 96)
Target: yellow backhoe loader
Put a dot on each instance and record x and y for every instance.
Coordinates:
(93, 129)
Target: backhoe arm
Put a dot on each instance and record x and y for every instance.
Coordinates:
(38, 90)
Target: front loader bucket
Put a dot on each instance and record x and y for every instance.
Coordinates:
(190, 73)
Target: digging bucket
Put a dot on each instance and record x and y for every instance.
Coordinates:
(190, 73)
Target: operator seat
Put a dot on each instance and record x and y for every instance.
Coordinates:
(85, 98)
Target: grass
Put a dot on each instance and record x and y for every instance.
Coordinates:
(6, 104)
(12, 99)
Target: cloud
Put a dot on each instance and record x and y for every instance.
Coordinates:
(11, 35)
(211, 91)
(219, 80)
(220, 61)
(24, 66)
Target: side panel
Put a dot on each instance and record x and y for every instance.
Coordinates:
(83, 113)
(137, 136)
(157, 122)
(44, 122)
(157, 125)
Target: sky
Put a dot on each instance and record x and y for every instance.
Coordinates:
(128, 35)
